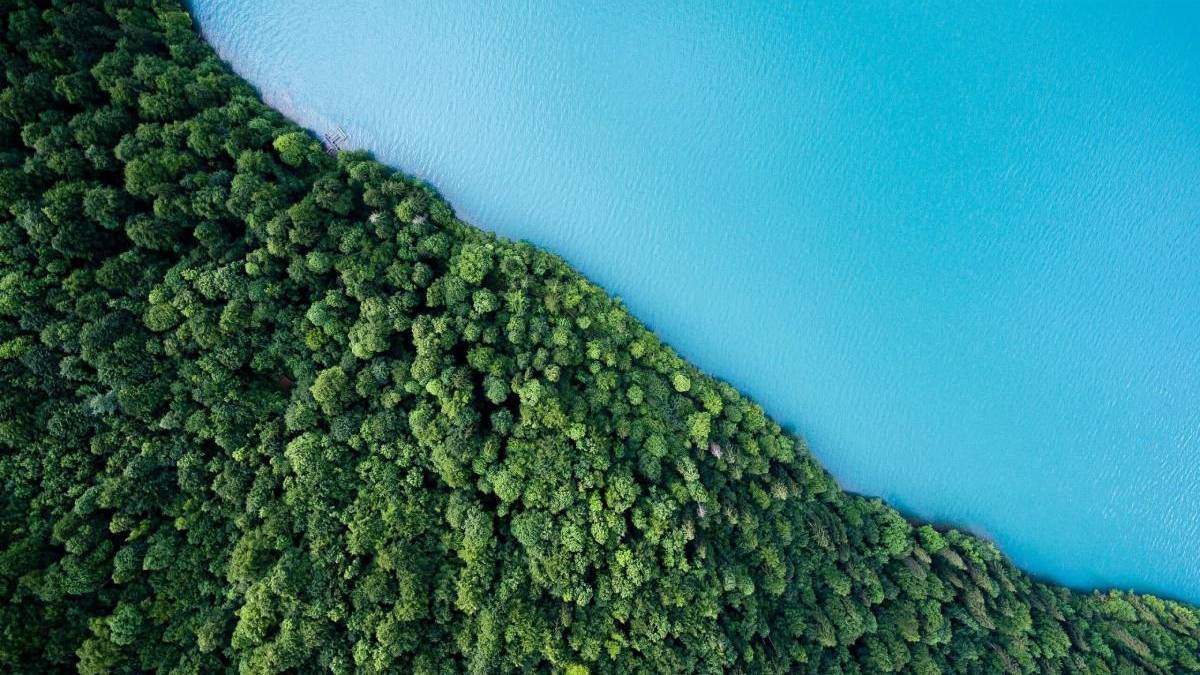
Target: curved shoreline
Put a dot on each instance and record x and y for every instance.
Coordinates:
(949, 380)
(332, 127)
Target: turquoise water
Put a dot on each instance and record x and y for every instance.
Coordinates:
(955, 246)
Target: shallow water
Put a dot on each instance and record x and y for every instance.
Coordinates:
(954, 246)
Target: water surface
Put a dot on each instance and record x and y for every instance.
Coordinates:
(956, 247)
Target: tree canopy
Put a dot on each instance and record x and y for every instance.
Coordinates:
(264, 409)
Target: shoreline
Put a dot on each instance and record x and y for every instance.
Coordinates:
(941, 525)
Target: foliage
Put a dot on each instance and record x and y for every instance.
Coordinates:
(269, 410)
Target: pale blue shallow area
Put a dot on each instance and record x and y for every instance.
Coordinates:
(956, 246)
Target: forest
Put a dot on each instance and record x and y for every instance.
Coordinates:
(266, 409)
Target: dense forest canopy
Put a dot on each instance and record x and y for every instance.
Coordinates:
(265, 409)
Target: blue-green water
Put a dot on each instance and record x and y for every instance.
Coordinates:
(955, 246)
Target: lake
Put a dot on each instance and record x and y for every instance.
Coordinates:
(957, 247)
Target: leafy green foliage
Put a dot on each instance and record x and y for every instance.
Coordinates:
(268, 410)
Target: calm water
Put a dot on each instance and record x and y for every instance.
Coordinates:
(957, 247)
